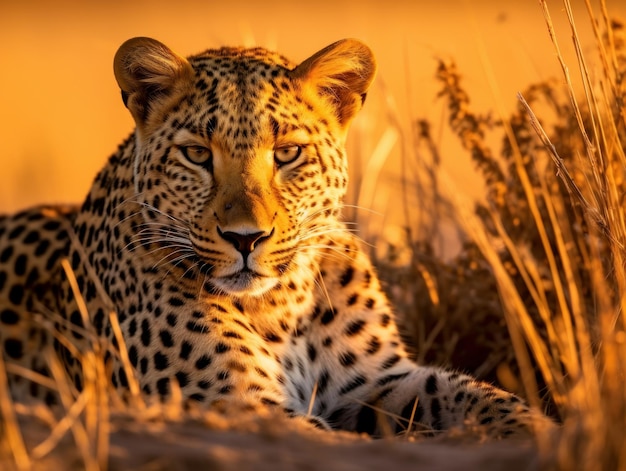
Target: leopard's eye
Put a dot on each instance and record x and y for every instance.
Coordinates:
(197, 154)
(286, 155)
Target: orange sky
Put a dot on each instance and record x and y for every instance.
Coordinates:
(62, 115)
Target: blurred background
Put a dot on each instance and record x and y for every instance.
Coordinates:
(62, 115)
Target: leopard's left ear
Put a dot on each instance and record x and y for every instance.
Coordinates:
(342, 72)
(147, 72)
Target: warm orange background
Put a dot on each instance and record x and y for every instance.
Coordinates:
(62, 114)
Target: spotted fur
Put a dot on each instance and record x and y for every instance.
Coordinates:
(214, 234)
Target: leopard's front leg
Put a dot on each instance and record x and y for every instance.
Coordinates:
(414, 398)
(360, 373)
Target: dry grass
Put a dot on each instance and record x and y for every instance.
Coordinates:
(545, 251)
(534, 300)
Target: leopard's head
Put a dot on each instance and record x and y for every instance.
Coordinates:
(240, 162)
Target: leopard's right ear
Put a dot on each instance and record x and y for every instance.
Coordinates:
(342, 73)
(148, 72)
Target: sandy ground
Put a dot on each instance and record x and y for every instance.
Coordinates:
(276, 444)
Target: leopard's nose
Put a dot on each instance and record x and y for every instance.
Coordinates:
(245, 243)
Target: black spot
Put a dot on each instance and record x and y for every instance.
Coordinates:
(195, 327)
(231, 335)
(366, 420)
(163, 386)
(75, 260)
(52, 226)
(6, 254)
(3, 279)
(183, 379)
(20, 265)
(171, 319)
(53, 259)
(269, 402)
(312, 352)
(76, 318)
(238, 305)
(176, 302)
(471, 402)
(373, 346)
(272, 337)
(431, 385)
(221, 348)
(203, 362)
(204, 384)
(13, 348)
(31, 237)
(390, 378)
(328, 316)
(145, 333)
(16, 294)
(347, 359)
(406, 413)
(459, 397)
(347, 276)
(166, 338)
(185, 350)
(389, 362)
(355, 327)
(123, 377)
(98, 321)
(42, 247)
(261, 372)
(33, 277)
(353, 384)
(160, 361)
(215, 306)
(237, 366)
(17, 231)
(132, 356)
(132, 327)
(9, 317)
(385, 319)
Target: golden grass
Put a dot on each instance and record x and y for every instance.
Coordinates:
(533, 301)
(549, 237)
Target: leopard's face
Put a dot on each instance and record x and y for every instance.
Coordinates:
(240, 160)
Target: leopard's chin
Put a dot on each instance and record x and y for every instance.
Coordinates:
(245, 283)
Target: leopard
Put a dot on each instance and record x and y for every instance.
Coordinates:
(213, 238)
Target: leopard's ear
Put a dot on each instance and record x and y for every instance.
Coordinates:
(147, 71)
(342, 72)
